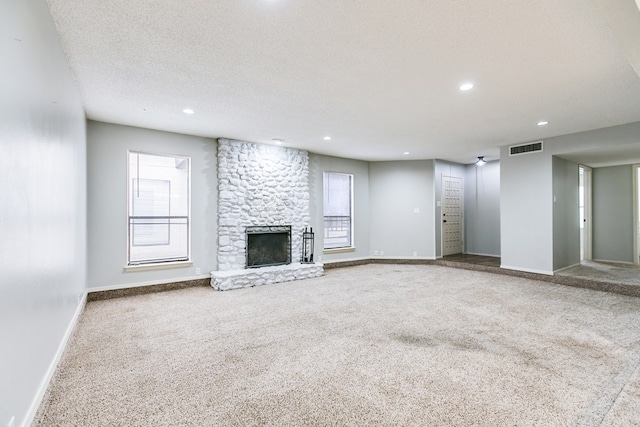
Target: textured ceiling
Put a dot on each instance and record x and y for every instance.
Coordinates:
(626, 154)
(380, 77)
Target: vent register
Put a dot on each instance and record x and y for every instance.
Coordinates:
(534, 147)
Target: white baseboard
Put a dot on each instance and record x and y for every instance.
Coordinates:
(373, 258)
(35, 405)
(527, 270)
(149, 283)
(612, 262)
(335, 261)
(565, 268)
(480, 254)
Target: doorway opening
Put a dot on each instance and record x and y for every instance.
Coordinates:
(585, 206)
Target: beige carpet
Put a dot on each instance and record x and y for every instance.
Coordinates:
(628, 274)
(368, 345)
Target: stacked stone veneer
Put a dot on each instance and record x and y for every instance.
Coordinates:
(259, 185)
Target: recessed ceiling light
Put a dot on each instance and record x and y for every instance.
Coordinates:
(406, 153)
(188, 111)
(466, 86)
(327, 138)
(278, 141)
(543, 123)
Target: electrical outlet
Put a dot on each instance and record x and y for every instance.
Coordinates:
(381, 253)
(416, 210)
(376, 253)
(198, 271)
(415, 253)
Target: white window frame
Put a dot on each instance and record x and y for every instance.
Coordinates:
(351, 245)
(158, 262)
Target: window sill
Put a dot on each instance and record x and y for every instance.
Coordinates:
(339, 250)
(158, 266)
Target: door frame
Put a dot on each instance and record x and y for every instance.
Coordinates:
(462, 216)
(636, 214)
(588, 212)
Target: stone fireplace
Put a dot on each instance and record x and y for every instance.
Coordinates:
(260, 184)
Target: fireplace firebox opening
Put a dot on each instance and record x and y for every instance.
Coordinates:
(268, 245)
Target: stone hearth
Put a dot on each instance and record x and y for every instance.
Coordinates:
(245, 278)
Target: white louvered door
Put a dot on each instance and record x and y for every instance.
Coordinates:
(452, 217)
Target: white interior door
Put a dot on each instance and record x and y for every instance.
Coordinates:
(452, 215)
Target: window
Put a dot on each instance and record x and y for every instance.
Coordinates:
(158, 208)
(338, 210)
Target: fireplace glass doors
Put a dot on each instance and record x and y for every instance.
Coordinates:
(268, 245)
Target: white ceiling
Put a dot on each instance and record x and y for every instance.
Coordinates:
(380, 77)
(625, 154)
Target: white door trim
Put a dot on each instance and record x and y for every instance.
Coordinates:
(636, 213)
(588, 212)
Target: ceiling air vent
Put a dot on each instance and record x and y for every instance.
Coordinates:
(525, 149)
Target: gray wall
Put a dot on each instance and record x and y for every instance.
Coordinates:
(397, 189)
(613, 213)
(360, 170)
(42, 205)
(566, 218)
(448, 169)
(482, 209)
(107, 203)
(526, 212)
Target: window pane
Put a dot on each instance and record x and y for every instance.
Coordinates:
(338, 218)
(158, 208)
(151, 198)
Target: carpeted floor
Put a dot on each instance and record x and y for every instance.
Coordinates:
(611, 272)
(367, 345)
